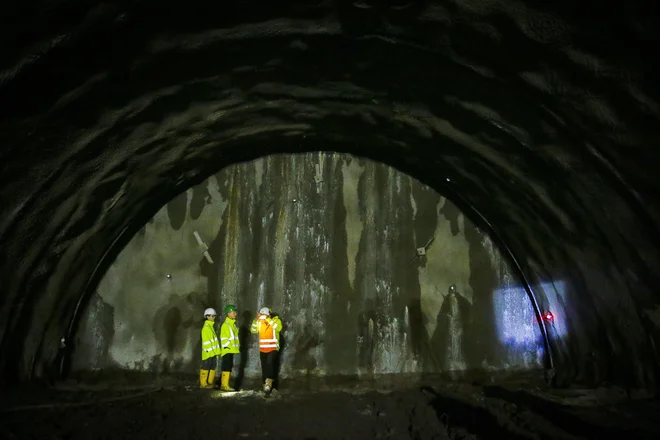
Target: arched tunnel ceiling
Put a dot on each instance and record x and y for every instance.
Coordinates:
(541, 119)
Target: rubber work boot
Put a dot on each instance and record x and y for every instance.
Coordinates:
(268, 386)
(226, 375)
(211, 381)
(203, 379)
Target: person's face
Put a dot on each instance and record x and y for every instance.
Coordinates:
(233, 314)
(210, 317)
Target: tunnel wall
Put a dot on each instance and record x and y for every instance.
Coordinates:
(336, 259)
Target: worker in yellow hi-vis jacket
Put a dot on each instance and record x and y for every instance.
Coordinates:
(230, 345)
(210, 351)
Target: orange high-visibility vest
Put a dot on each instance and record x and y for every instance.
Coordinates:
(267, 337)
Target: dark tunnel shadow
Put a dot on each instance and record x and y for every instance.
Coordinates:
(244, 340)
(63, 365)
(451, 213)
(452, 411)
(283, 343)
(177, 209)
(564, 417)
(200, 198)
(366, 343)
(449, 322)
(197, 348)
(302, 357)
(484, 281)
(171, 323)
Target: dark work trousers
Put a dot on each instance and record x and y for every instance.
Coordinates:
(269, 364)
(228, 362)
(210, 363)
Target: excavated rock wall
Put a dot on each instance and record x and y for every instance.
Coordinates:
(329, 241)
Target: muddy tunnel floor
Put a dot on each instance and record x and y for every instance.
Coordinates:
(422, 411)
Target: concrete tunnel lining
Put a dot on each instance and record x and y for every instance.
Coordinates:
(146, 131)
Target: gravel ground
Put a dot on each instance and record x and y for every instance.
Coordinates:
(447, 411)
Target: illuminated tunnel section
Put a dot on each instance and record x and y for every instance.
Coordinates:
(517, 322)
(356, 257)
(538, 121)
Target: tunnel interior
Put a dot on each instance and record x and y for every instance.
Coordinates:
(534, 124)
(357, 259)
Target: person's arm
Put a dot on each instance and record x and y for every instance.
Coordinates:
(254, 328)
(276, 322)
(225, 338)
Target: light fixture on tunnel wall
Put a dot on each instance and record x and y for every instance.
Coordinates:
(169, 276)
(421, 251)
(548, 316)
(205, 248)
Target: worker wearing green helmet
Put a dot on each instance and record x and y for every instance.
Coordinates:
(229, 346)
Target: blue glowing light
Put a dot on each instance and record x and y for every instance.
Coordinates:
(517, 324)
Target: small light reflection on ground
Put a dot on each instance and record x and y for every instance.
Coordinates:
(217, 394)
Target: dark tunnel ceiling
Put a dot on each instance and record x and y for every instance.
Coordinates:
(545, 122)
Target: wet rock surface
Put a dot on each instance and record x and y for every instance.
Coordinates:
(441, 411)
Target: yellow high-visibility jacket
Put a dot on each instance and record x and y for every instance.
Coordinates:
(229, 337)
(210, 343)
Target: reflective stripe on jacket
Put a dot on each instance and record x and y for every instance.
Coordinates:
(269, 333)
(229, 337)
(210, 343)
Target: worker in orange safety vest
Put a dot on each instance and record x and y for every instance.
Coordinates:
(268, 328)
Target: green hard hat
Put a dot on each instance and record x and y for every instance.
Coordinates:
(230, 308)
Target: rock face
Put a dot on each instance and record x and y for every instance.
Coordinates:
(329, 241)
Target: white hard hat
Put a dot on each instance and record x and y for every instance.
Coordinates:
(209, 311)
(264, 311)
